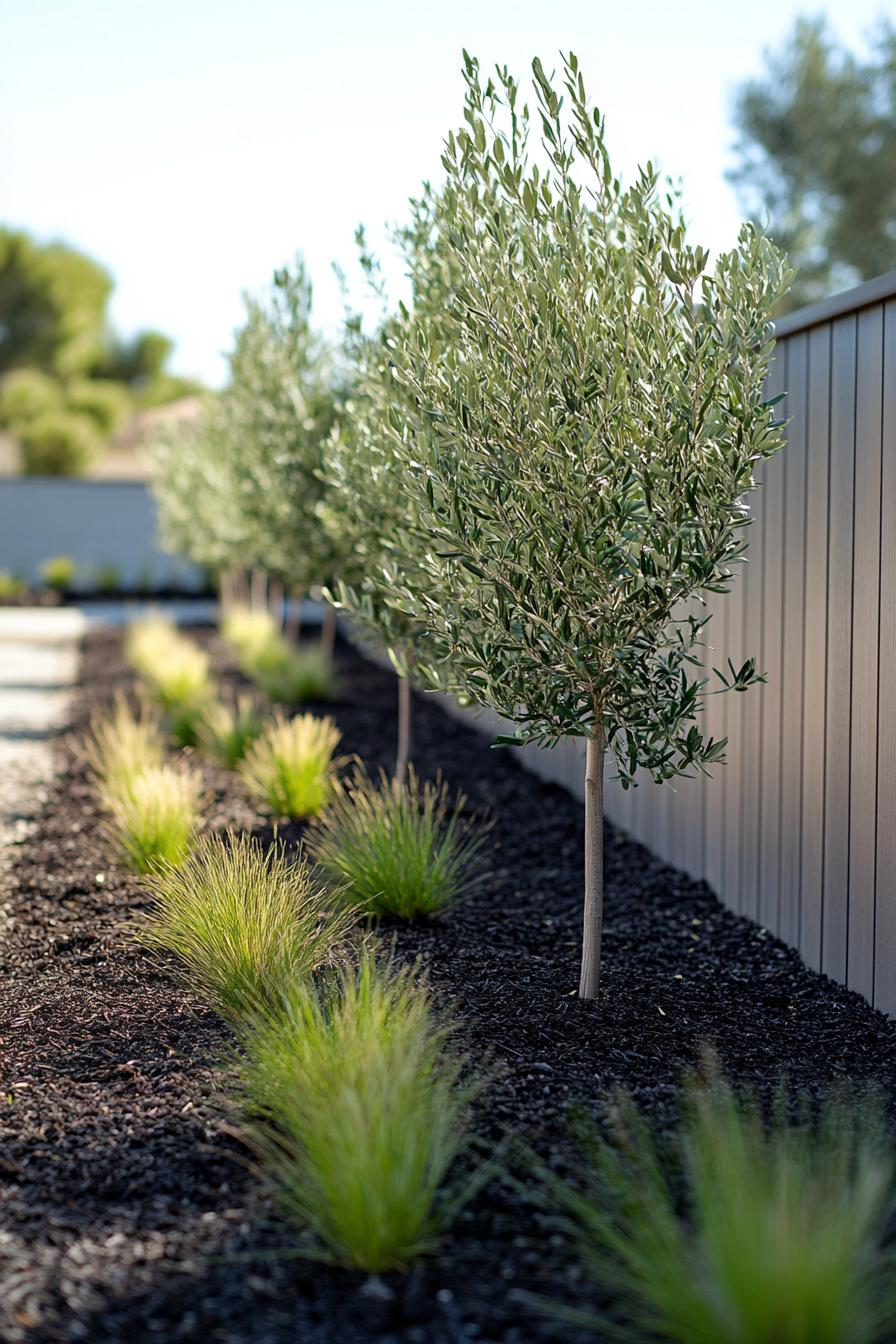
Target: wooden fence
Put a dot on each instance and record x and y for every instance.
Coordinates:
(798, 830)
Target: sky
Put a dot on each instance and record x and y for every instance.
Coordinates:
(194, 145)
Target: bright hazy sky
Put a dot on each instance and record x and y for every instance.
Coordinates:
(194, 145)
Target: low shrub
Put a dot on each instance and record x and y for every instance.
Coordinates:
(396, 848)
(122, 746)
(26, 394)
(155, 820)
(290, 766)
(11, 585)
(58, 573)
(775, 1238)
(58, 443)
(290, 675)
(247, 924)
(106, 579)
(357, 1113)
(228, 730)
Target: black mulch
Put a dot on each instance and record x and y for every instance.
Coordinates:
(128, 1210)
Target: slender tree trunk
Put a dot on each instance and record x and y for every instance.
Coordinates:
(294, 615)
(405, 729)
(241, 587)
(592, 929)
(226, 590)
(328, 632)
(275, 601)
(258, 593)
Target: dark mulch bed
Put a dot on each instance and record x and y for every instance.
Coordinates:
(128, 1212)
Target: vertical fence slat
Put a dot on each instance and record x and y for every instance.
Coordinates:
(839, 636)
(885, 911)
(865, 624)
(789, 893)
(815, 662)
(774, 511)
(751, 764)
(716, 727)
(730, 881)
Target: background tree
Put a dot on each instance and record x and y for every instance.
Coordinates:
(67, 382)
(579, 448)
(816, 157)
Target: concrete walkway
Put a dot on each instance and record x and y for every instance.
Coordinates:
(38, 668)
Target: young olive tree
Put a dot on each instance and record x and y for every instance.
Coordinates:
(580, 446)
(279, 409)
(368, 508)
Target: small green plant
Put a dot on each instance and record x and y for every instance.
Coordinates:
(59, 443)
(776, 1237)
(176, 672)
(290, 767)
(155, 820)
(228, 730)
(122, 746)
(12, 586)
(107, 579)
(396, 848)
(248, 631)
(357, 1112)
(148, 641)
(291, 676)
(247, 924)
(58, 573)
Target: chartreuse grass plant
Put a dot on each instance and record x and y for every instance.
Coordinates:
(227, 731)
(156, 818)
(357, 1109)
(290, 675)
(123, 745)
(770, 1233)
(399, 848)
(247, 631)
(176, 673)
(247, 924)
(290, 768)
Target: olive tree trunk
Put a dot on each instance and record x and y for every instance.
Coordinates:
(275, 601)
(328, 632)
(405, 729)
(592, 927)
(258, 591)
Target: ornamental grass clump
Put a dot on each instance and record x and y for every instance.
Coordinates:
(357, 1113)
(227, 731)
(156, 818)
(290, 768)
(247, 924)
(400, 849)
(290, 675)
(123, 745)
(746, 1233)
(247, 631)
(148, 641)
(578, 439)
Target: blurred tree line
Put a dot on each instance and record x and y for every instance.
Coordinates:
(816, 157)
(67, 381)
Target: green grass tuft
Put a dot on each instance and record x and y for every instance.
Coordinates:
(247, 924)
(121, 746)
(155, 819)
(290, 766)
(176, 673)
(292, 676)
(357, 1112)
(248, 631)
(227, 731)
(58, 573)
(780, 1241)
(396, 849)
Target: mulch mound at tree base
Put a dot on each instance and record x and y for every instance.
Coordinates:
(129, 1211)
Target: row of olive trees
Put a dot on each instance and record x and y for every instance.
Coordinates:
(540, 462)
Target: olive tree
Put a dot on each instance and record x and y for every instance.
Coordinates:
(279, 409)
(368, 509)
(580, 443)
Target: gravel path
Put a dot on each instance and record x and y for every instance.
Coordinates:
(38, 667)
